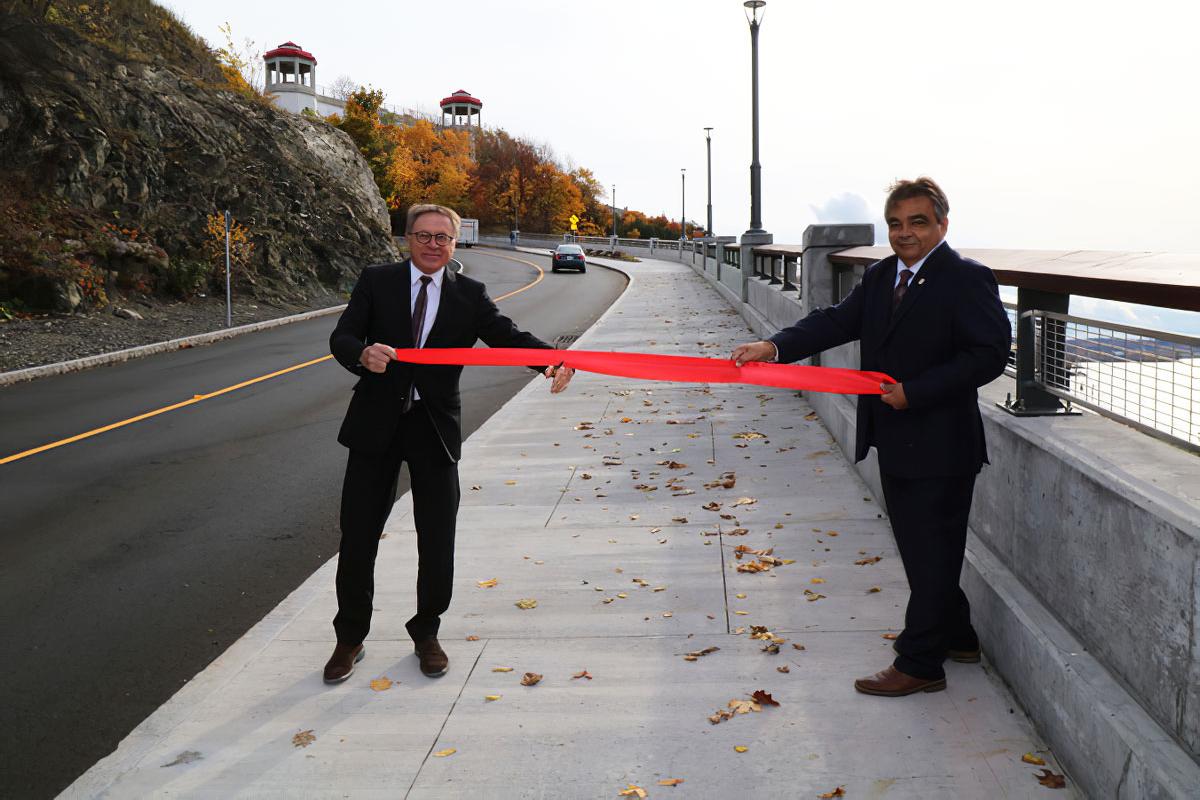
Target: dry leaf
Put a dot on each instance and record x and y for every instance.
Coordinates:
(1051, 779)
(526, 603)
(488, 584)
(817, 580)
(502, 669)
(874, 590)
(670, 781)
(491, 698)
(659, 589)
(692, 656)
(712, 506)
(510, 483)
(771, 649)
(745, 501)
(862, 562)
(449, 751)
(303, 738)
(633, 791)
(737, 532)
(582, 674)
(530, 679)
(811, 596)
(764, 698)
(784, 669)
(1030, 758)
(680, 520)
(740, 596)
(749, 435)
(839, 791)
(891, 636)
(742, 613)
(797, 646)
(381, 684)
(472, 638)
(667, 614)
(740, 748)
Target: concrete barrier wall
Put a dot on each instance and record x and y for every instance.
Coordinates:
(1083, 566)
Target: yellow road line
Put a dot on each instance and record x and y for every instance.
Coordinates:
(201, 397)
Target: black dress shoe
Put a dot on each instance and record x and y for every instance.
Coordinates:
(434, 661)
(341, 664)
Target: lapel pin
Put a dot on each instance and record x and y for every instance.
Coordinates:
(920, 281)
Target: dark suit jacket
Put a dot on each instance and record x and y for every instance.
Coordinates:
(949, 336)
(380, 311)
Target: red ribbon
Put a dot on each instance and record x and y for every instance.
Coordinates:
(658, 367)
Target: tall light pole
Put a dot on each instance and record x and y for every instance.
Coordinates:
(708, 142)
(614, 204)
(683, 203)
(753, 7)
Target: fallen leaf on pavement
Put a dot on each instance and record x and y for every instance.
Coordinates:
(749, 435)
(1051, 779)
(811, 596)
(304, 738)
(491, 698)
(712, 506)
(692, 656)
(488, 584)
(680, 520)
(890, 636)
(874, 590)
(740, 748)
(1030, 758)
(862, 562)
(526, 603)
(582, 674)
(741, 596)
(502, 669)
(668, 614)
(839, 791)
(797, 646)
(510, 483)
(784, 669)
(670, 781)
(817, 580)
(381, 684)
(633, 791)
(771, 649)
(530, 679)
(763, 698)
(449, 751)
(745, 501)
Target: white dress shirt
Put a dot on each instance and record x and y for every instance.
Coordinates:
(915, 268)
(433, 297)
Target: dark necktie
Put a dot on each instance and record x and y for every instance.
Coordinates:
(418, 315)
(418, 326)
(901, 288)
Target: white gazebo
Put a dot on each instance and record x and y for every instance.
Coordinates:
(292, 77)
(459, 108)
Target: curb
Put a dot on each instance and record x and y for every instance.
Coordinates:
(128, 354)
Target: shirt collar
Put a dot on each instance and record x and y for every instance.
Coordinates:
(414, 276)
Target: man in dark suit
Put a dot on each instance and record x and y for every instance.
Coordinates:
(932, 320)
(408, 413)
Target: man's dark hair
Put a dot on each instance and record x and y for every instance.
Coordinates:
(921, 187)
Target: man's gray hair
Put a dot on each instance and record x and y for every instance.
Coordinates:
(921, 187)
(432, 208)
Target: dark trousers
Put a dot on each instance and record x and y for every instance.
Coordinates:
(368, 493)
(929, 520)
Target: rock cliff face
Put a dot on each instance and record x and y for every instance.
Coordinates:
(111, 163)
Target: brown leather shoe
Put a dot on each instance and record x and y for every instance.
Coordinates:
(964, 656)
(894, 683)
(434, 661)
(341, 663)
(961, 656)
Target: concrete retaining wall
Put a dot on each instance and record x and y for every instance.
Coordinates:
(1083, 565)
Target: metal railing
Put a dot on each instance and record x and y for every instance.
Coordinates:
(733, 257)
(1145, 378)
(778, 268)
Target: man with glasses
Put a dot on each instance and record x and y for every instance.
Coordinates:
(408, 413)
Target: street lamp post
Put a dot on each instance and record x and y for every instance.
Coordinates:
(752, 16)
(708, 142)
(683, 203)
(614, 204)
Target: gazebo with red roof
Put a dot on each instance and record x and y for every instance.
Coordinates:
(460, 107)
(291, 75)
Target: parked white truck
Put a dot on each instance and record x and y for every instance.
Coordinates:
(468, 234)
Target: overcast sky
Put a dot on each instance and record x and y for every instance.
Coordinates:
(1059, 125)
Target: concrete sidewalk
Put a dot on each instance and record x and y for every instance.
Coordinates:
(600, 505)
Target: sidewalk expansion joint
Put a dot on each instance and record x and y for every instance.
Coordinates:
(561, 495)
(454, 705)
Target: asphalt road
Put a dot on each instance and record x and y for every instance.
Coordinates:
(128, 561)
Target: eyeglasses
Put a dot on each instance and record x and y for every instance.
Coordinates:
(425, 237)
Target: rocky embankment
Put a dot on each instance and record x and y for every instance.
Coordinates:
(119, 143)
